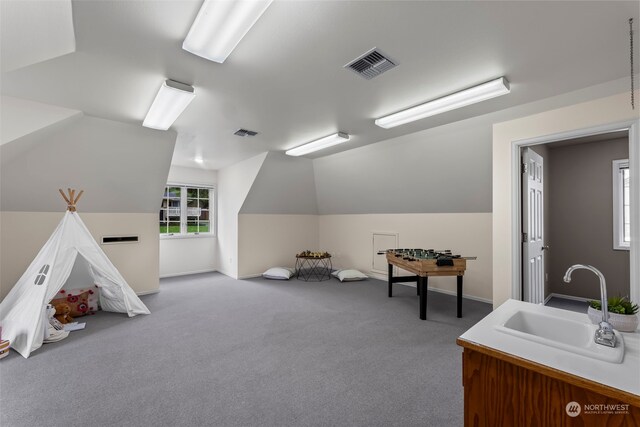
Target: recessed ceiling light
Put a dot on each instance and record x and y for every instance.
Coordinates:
(319, 144)
(460, 99)
(171, 100)
(198, 159)
(220, 25)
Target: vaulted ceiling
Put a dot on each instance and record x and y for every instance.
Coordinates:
(286, 79)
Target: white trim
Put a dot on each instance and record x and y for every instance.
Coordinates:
(634, 199)
(213, 212)
(186, 236)
(618, 210)
(154, 291)
(189, 184)
(383, 233)
(569, 297)
(186, 273)
(442, 291)
(633, 127)
(229, 275)
(379, 276)
(465, 296)
(252, 276)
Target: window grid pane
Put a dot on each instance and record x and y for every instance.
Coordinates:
(626, 208)
(195, 210)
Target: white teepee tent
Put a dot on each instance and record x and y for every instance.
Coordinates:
(23, 311)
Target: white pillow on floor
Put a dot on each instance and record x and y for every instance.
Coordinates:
(349, 275)
(279, 273)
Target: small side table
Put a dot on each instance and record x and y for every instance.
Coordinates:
(313, 269)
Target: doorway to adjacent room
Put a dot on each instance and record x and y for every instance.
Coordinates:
(575, 209)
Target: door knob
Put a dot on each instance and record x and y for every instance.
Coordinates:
(545, 248)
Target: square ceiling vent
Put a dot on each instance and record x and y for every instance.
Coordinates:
(371, 64)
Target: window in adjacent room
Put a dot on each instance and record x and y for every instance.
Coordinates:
(186, 211)
(621, 205)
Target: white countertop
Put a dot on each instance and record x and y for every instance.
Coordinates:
(624, 376)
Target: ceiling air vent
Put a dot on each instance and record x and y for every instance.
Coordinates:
(371, 64)
(245, 132)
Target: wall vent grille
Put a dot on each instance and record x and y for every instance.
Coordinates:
(113, 240)
(245, 132)
(371, 64)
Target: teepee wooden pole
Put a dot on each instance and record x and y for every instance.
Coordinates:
(71, 198)
(64, 196)
(78, 198)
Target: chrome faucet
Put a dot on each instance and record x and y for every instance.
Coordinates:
(604, 334)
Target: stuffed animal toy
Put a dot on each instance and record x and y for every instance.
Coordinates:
(62, 313)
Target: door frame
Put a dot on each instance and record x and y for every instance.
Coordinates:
(633, 126)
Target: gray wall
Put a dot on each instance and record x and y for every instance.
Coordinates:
(446, 169)
(441, 170)
(284, 185)
(581, 219)
(121, 167)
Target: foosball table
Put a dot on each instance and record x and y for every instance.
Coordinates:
(425, 263)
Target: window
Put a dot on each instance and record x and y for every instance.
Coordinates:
(186, 211)
(621, 205)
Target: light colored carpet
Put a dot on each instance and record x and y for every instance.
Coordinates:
(221, 352)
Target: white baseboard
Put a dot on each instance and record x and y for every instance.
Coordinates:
(378, 276)
(249, 276)
(186, 273)
(465, 296)
(442, 291)
(154, 291)
(571, 297)
(227, 274)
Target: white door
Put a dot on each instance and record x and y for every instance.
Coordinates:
(532, 227)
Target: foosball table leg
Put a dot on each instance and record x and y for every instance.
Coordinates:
(459, 296)
(422, 288)
(390, 278)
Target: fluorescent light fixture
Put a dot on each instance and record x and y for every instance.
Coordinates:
(319, 144)
(220, 25)
(460, 99)
(171, 100)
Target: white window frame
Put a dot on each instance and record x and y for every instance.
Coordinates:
(184, 234)
(618, 209)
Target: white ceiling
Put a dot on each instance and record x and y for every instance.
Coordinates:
(286, 78)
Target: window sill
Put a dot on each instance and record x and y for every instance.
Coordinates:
(621, 248)
(188, 236)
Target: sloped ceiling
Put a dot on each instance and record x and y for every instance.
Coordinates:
(122, 167)
(286, 79)
(284, 185)
(21, 117)
(34, 31)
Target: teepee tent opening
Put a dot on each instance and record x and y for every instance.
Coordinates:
(23, 311)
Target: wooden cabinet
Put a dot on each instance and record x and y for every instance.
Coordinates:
(505, 390)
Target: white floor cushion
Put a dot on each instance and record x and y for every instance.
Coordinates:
(279, 273)
(349, 275)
